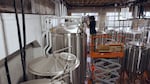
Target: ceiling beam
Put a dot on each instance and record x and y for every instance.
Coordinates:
(92, 5)
(101, 3)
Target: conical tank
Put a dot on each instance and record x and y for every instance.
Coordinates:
(73, 37)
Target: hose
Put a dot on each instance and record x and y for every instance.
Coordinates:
(20, 43)
(7, 71)
(24, 37)
(6, 52)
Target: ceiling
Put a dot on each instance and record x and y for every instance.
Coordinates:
(74, 3)
(99, 3)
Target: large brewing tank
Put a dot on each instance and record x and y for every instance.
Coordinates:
(43, 81)
(136, 61)
(148, 67)
(73, 37)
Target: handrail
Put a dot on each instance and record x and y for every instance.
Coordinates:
(108, 54)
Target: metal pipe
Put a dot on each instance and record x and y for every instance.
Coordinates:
(139, 58)
(134, 52)
(56, 51)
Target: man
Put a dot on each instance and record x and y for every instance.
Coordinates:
(92, 25)
(92, 28)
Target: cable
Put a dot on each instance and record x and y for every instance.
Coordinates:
(7, 71)
(24, 35)
(6, 51)
(20, 42)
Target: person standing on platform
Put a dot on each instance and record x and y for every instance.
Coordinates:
(92, 25)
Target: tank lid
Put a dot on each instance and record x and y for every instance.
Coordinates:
(136, 43)
(66, 29)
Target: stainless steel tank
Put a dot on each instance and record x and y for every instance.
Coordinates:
(148, 66)
(136, 61)
(53, 65)
(74, 38)
(44, 81)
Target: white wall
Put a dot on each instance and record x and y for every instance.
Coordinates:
(42, 7)
(34, 25)
(33, 31)
(60, 9)
(2, 48)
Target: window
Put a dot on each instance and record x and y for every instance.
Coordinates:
(77, 14)
(118, 20)
(147, 15)
(92, 14)
(88, 14)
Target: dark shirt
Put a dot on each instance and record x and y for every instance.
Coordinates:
(92, 27)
